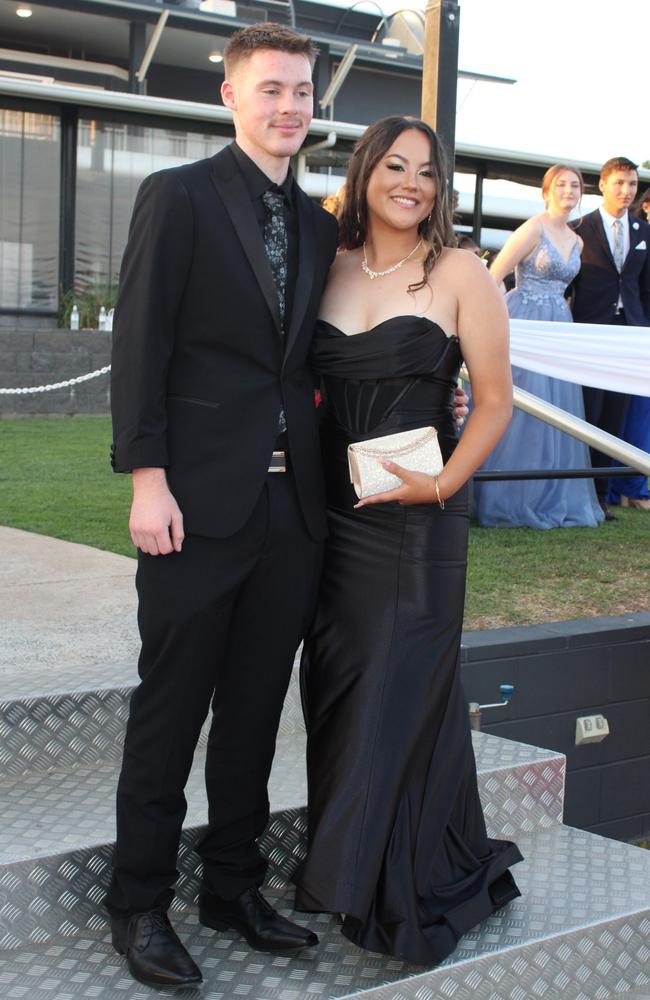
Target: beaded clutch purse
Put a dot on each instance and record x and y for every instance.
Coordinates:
(417, 451)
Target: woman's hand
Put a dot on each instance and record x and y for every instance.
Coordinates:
(461, 408)
(417, 487)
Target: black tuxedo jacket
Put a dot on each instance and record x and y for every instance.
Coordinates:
(598, 284)
(200, 371)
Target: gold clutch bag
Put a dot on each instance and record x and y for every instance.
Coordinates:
(417, 451)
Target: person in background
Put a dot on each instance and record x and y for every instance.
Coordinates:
(333, 203)
(465, 242)
(545, 255)
(625, 490)
(641, 207)
(613, 287)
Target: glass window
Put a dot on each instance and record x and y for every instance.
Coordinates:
(30, 164)
(112, 160)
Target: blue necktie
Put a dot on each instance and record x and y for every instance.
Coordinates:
(618, 244)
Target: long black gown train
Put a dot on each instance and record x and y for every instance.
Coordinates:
(397, 840)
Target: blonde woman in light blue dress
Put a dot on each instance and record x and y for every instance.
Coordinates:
(545, 256)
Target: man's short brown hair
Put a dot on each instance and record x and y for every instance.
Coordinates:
(617, 163)
(266, 35)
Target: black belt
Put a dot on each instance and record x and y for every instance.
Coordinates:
(279, 462)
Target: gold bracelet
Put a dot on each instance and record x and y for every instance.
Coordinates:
(441, 503)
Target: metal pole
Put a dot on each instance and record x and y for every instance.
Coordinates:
(137, 43)
(152, 46)
(477, 222)
(67, 196)
(625, 453)
(440, 73)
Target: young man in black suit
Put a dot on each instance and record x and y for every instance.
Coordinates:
(214, 416)
(612, 287)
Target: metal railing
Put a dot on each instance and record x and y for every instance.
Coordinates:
(636, 459)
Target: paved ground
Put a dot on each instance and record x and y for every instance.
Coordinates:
(63, 606)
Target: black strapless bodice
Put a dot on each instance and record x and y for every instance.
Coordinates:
(399, 375)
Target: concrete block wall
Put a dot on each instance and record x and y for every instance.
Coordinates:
(39, 354)
(564, 670)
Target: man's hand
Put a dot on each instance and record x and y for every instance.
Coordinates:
(156, 523)
(460, 406)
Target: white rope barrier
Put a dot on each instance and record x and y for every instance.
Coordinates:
(33, 389)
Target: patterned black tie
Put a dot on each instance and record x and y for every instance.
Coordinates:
(276, 244)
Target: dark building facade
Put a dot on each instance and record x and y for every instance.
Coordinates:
(96, 94)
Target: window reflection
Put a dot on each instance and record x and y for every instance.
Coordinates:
(112, 160)
(30, 163)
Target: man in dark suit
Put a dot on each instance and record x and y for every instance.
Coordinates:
(612, 287)
(214, 416)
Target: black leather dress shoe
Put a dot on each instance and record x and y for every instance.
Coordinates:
(256, 920)
(153, 951)
(606, 511)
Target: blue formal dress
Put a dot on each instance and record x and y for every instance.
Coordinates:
(636, 431)
(528, 443)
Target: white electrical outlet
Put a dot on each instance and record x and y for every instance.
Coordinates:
(591, 729)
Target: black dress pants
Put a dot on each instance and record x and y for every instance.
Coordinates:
(220, 623)
(605, 409)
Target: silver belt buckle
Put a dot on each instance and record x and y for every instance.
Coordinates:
(278, 462)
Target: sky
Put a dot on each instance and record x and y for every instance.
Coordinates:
(581, 71)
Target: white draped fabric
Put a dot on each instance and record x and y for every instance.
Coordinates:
(606, 357)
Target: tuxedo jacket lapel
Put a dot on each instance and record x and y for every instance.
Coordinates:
(601, 236)
(634, 239)
(306, 266)
(231, 188)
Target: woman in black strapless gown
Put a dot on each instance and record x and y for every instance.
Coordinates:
(397, 840)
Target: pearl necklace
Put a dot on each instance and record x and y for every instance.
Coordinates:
(380, 274)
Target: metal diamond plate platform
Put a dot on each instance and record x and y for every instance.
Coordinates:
(63, 810)
(580, 931)
(62, 730)
(58, 828)
(77, 715)
(521, 788)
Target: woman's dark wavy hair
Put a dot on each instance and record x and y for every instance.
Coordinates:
(637, 207)
(436, 230)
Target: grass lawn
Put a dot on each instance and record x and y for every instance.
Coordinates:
(55, 479)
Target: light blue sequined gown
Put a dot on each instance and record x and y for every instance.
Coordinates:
(528, 443)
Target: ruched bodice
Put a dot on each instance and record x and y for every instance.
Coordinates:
(544, 276)
(399, 375)
(398, 347)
